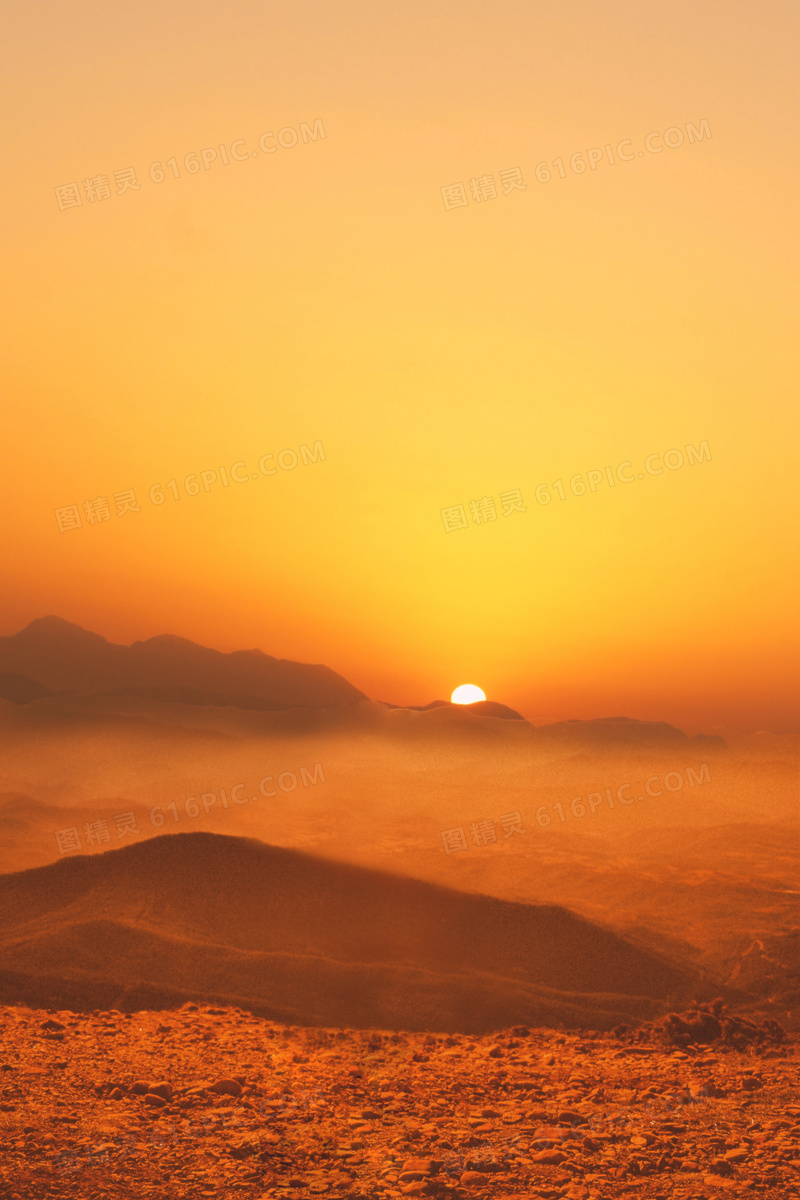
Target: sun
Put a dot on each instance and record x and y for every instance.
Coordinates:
(467, 693)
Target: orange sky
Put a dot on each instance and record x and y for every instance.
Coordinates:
(323, 292)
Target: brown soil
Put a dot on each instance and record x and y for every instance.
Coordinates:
(211, 1102)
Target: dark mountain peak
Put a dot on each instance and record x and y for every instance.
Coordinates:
(493, 708)
(481, 708)
(166, 641)
(52, 628)
(62, 656)
(627, 731)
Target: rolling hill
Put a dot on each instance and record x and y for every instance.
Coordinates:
(313, 941)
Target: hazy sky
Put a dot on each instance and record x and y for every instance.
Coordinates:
(442, 348)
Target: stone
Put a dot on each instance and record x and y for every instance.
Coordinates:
(553, 1157)
(416, 1168)
(226, 1087)
(245, 1148)
(550, 1133)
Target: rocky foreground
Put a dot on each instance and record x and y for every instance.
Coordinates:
(214, 1102)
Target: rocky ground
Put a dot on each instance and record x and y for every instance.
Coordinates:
(218, 1103)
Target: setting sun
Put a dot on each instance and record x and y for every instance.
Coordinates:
(467, 693)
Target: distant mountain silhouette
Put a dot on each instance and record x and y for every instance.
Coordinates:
(65, 672)
(248, 715)
(610, 732)
(621, 731)
(312, 941)
(60, 656)
(481, 708)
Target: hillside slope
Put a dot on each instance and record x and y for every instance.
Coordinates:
(320, 942)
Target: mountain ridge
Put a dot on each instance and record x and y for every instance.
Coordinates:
(227, 917)
(52, 660)
(62, 656)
